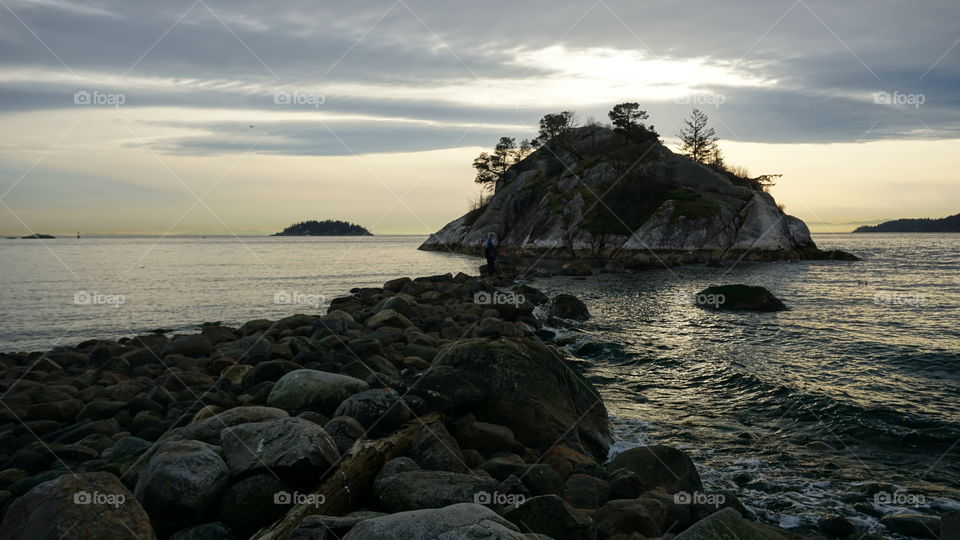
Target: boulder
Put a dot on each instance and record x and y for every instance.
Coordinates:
(659, 466)
(308, 389)
(567, 306)
(728, 524)
(465, 520)
(74, 507)
(435, 449)
(207, 531)
(194, 346)
(585, 491)
(917, 525)
(401, 486)
(380, 411)
(624, 516)
(524, 386)
(388, 317)
(345, 431)
(738, 298)
(180, 484)
(208, 430)
(294, 448)
(549, 515)
(252, 503)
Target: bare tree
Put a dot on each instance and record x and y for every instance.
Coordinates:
(699, 140)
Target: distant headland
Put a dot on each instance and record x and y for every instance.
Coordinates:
(324, 228)
(942, 225)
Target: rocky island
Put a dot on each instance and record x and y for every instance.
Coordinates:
(618, 202)
(324, 228)
(950, 224)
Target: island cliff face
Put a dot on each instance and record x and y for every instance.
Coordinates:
(602, 196)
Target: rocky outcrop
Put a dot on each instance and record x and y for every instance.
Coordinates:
(611, 198)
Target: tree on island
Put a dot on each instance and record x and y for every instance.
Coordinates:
(699, 141)
(324, 228)
(627, 121)
(490, 167)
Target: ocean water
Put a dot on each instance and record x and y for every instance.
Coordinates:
(799, 411)
(64, 291)
(864, 362)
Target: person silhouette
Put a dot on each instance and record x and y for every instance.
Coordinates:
(490, 252)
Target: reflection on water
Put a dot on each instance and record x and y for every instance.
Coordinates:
(865, 361)
(172, 282)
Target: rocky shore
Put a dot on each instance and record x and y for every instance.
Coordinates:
(436, 407)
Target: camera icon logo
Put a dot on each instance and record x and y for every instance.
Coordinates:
(282, 497)
(82, 98)
(682, 497)
(482, 497)
(482, 297)
(282, 98)
(81, 497)
(82, 298)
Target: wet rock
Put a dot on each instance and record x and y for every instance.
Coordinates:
(207, 531)
(549, 515)
(252, 503)
(307, 389)
(584, 491)
(193, 345)
(465, 520)
(727, 524)
(525, 387)
(660, 466)
(345, 431)
(81, 506)
(435, 449)
(380, 411)
(487, 438)
(837, 527)
(567, 306)
(180, 484)
(296, 449)
(208, 430)
(625, 516)
(918, 525)
(400, 487)
(388, 317)
(738, 297)
(329, 527)
(270, 370)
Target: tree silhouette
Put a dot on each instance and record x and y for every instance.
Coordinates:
(699, 140)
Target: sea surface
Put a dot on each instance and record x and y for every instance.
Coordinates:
(846, 404)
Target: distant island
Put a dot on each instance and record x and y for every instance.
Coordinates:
(38, 237)
(324, 228)
(942, 225)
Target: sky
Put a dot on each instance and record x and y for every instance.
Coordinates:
(241, 117)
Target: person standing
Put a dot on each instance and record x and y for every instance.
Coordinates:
(490, 252)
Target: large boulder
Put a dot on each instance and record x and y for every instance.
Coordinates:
(465, 520)
(567, 306)
(400, 489)
(917, 525)
(728, 524)
(738, 298)
(659, 466)
(75, 507)
(308, 389)
(208, 430)
(180, 484)
(526, 387)
(380, 411)
(549, 515)
(292, 447)
(193, 345)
